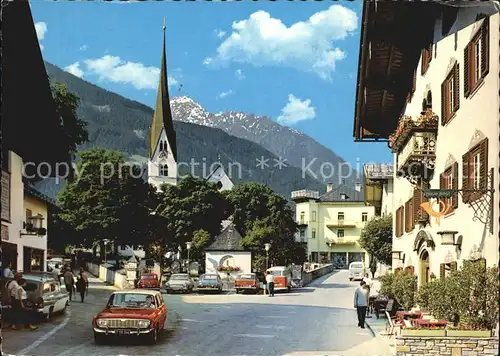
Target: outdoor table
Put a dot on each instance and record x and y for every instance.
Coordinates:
(380, 303)
(429, 323)
(406, 315)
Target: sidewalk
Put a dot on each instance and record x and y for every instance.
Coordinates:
(378, 328)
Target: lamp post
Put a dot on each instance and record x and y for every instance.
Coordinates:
(106, 241)
(267, 247)
(188, 246)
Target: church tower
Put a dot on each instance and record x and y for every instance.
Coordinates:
(162, 163)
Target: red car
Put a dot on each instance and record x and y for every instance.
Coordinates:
(128, 313)
(149, 281)
(247, 282)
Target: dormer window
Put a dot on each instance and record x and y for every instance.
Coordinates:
(343, 196)
(164, 170)
(163, 146)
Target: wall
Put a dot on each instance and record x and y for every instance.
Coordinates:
(478, 112)
(116, 278)
(309, 276)
(241, 259)
(453, 346)
(387, 197)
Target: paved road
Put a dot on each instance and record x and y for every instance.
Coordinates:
(318, 320)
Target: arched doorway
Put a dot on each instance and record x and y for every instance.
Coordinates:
(424, 275)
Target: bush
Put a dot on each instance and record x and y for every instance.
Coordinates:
(401, 286)
(386, 282)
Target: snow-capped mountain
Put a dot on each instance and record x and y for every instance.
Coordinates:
(297, 148)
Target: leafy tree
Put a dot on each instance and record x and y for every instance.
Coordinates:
(265, 217)
(74, 129)
(376, 239)
(189, 207)
(107, 200)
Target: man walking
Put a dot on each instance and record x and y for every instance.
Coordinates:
(361, 303)
(270, 283)
(69, 281)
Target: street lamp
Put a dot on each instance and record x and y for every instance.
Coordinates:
(267, 247)
(188, 246)
(106, 241)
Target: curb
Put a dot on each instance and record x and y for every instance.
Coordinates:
(374, 334)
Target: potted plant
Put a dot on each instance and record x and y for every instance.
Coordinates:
(426, 121)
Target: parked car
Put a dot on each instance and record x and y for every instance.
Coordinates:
(210, 282)
(44, 293)
(282, 277)
(247, 282)
(356, 271)
(149, 281)
(179, 282)
(133, 312)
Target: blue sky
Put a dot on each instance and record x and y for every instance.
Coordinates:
(294, 62)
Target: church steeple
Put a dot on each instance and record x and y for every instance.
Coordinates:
(162, 118)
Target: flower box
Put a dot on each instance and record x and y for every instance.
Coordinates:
(423, 332)
(468, 333)
(427, 122)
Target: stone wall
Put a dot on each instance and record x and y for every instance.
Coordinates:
(309, 276)
(446, 346)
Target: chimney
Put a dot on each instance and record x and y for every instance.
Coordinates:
(358, 186)
(329, 187)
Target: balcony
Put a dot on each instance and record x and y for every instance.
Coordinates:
(305, 194)
(332, 241)
(414, 142)
(342, 223)
(302, 223)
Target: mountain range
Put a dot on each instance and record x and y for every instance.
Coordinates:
(235, 139)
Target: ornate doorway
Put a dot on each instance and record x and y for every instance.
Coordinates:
(424, 275)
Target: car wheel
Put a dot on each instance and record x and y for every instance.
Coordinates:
(350, 279)
(99, 339)
(153, 336)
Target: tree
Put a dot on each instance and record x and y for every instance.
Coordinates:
(376, 239)
(188, 208)
(265, 217)
(107, 200)
(74, 129)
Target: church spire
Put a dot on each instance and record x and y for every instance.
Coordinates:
(163, 116)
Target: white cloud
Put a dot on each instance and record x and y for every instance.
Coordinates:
(74, 69)
(224, 94)
(220, 33)
(113, 69)
(296, 110)
(306, 45)
(84, 47)
(41, 29)
(239, 74)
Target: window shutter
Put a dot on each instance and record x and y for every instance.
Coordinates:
(412, 221)
(466, 71)
(397, 223)
(465, 177)
(454, 173)
(402, 220)
(414, 84)
(456, 87)
(407, 225)
(483, 174)
(441, 181)
(453, 267)
(442, 271)
(443, 103)
(423, 67)
(485, 46)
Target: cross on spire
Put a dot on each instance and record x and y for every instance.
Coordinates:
(164, 24)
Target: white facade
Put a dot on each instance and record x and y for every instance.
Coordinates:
(476, 119)
(215, 259)
(162, 167)
(15, 239)
(220, 177)
(387, 197)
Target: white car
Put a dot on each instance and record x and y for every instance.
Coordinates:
(357, 271)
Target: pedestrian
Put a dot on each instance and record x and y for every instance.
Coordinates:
(270, 283)
(368, 286)
(12, 288)
(57, 272)
(69, 282)
(24, 315)
(361, 303)
(82, 284)
(7, 271)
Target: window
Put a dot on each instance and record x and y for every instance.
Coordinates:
(164, 170)
(450, 95)
(426, 59)
(313, 233)
(302, 234)
(313, 216)
(364, 217)
(340, 216)
(340, 233)
(449, 180)
(343, 196)
(476, 59)
(29, 214)
(475, 170)
(302, 217)
(399, 221)
(408, 216)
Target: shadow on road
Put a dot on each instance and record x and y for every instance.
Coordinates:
(334, 285)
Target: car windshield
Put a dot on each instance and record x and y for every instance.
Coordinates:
(149, 277)
(209, 277)
(357, 265)
(276, 273)
(131, 300)
(247, 276)
(179, 277)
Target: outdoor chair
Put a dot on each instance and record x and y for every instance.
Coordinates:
(392, 324)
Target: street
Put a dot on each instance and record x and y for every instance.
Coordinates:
(317, 320)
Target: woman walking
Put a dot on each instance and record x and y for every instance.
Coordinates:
(19, 304)
(82, 284)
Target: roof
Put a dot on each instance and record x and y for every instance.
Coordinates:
(137, 291)
(216, 174)
(28, 109)
(30, 190)
(335, 195)
(378, 171)
(162, 117)
(228, 240)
